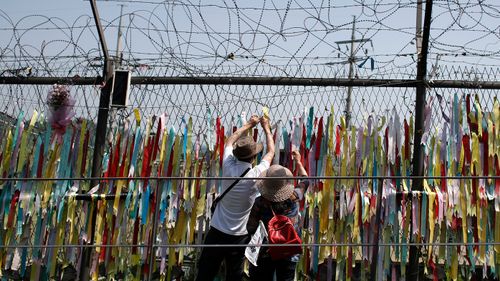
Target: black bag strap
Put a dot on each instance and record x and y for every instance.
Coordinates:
(230, 187)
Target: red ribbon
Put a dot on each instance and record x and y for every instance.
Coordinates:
(39, 168)
(486, 165)
(337, 141)
(319, 139)
(497, 181)
(146, 163)
(221, 146)
(121, 172)
(116, 158)
(217, 134)
(157, 139)
(198, 182)
(12, 210)
(444, 187)
(407, 140)
(467, 153)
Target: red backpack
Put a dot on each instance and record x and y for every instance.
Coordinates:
(281, 231)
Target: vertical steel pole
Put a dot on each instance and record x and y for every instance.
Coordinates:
(100, 138)
(418, 152)
(154, 231)
(376, 235)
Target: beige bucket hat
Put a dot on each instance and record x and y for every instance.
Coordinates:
(276, 190)
(245, 148)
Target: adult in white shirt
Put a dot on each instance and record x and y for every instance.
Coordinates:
(228, 224)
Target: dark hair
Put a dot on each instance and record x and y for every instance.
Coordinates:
(280, 208)
(248, 160)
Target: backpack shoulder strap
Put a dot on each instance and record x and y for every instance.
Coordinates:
(231, 186)
(272, 210)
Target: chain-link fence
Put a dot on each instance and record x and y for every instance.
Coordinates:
(230, 101)
(148, 216)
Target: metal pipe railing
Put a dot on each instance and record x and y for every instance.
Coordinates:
(248, 178)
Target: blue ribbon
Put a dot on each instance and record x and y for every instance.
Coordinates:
(423, 217)
(166, 184)
(145, 205)
(310, 119)
(63, 172)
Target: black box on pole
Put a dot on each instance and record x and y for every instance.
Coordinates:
(120, 89)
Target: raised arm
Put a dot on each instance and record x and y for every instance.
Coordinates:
(298, 163)
(269, 140)
(254, 120)
(301, 188)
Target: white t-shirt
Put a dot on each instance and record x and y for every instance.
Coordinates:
(231, 214)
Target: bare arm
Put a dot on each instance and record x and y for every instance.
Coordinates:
(254, 120)
(269, 140)
(298, 163)
(303, 185)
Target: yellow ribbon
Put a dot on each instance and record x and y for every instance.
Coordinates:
(479, 116)
(137, 115)
(331, 133)
(83, 131)
(163, 150)
(24, 142)
(177, 155)
(8, 153)
(431, 216)
(187, 163)
(265, 111)
(476, 160)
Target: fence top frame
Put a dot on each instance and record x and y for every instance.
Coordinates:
(262, 81)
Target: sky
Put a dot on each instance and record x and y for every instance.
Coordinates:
(260, 32)
(251, 35)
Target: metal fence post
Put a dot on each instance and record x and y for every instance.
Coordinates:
(100, 138)
(373, 266)
(154, 232)
(418, 156)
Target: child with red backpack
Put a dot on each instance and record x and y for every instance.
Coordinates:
(278, 209)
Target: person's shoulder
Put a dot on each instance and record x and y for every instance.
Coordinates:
(263, 165)
(228, 155)
(264, 162)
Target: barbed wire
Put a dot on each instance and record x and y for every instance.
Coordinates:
(181, 33)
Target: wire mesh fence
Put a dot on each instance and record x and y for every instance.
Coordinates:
(127, 250)
(152, 222)
(230, 101)
(151, 207)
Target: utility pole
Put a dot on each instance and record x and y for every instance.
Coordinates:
(119, 39)
(351, 73)
(352, 60)
(418, 31)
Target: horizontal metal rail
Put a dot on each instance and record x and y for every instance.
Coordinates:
(448, 244)
(248, 178)
(268, 81)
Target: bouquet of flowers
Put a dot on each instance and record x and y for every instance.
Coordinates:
(60, 105)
